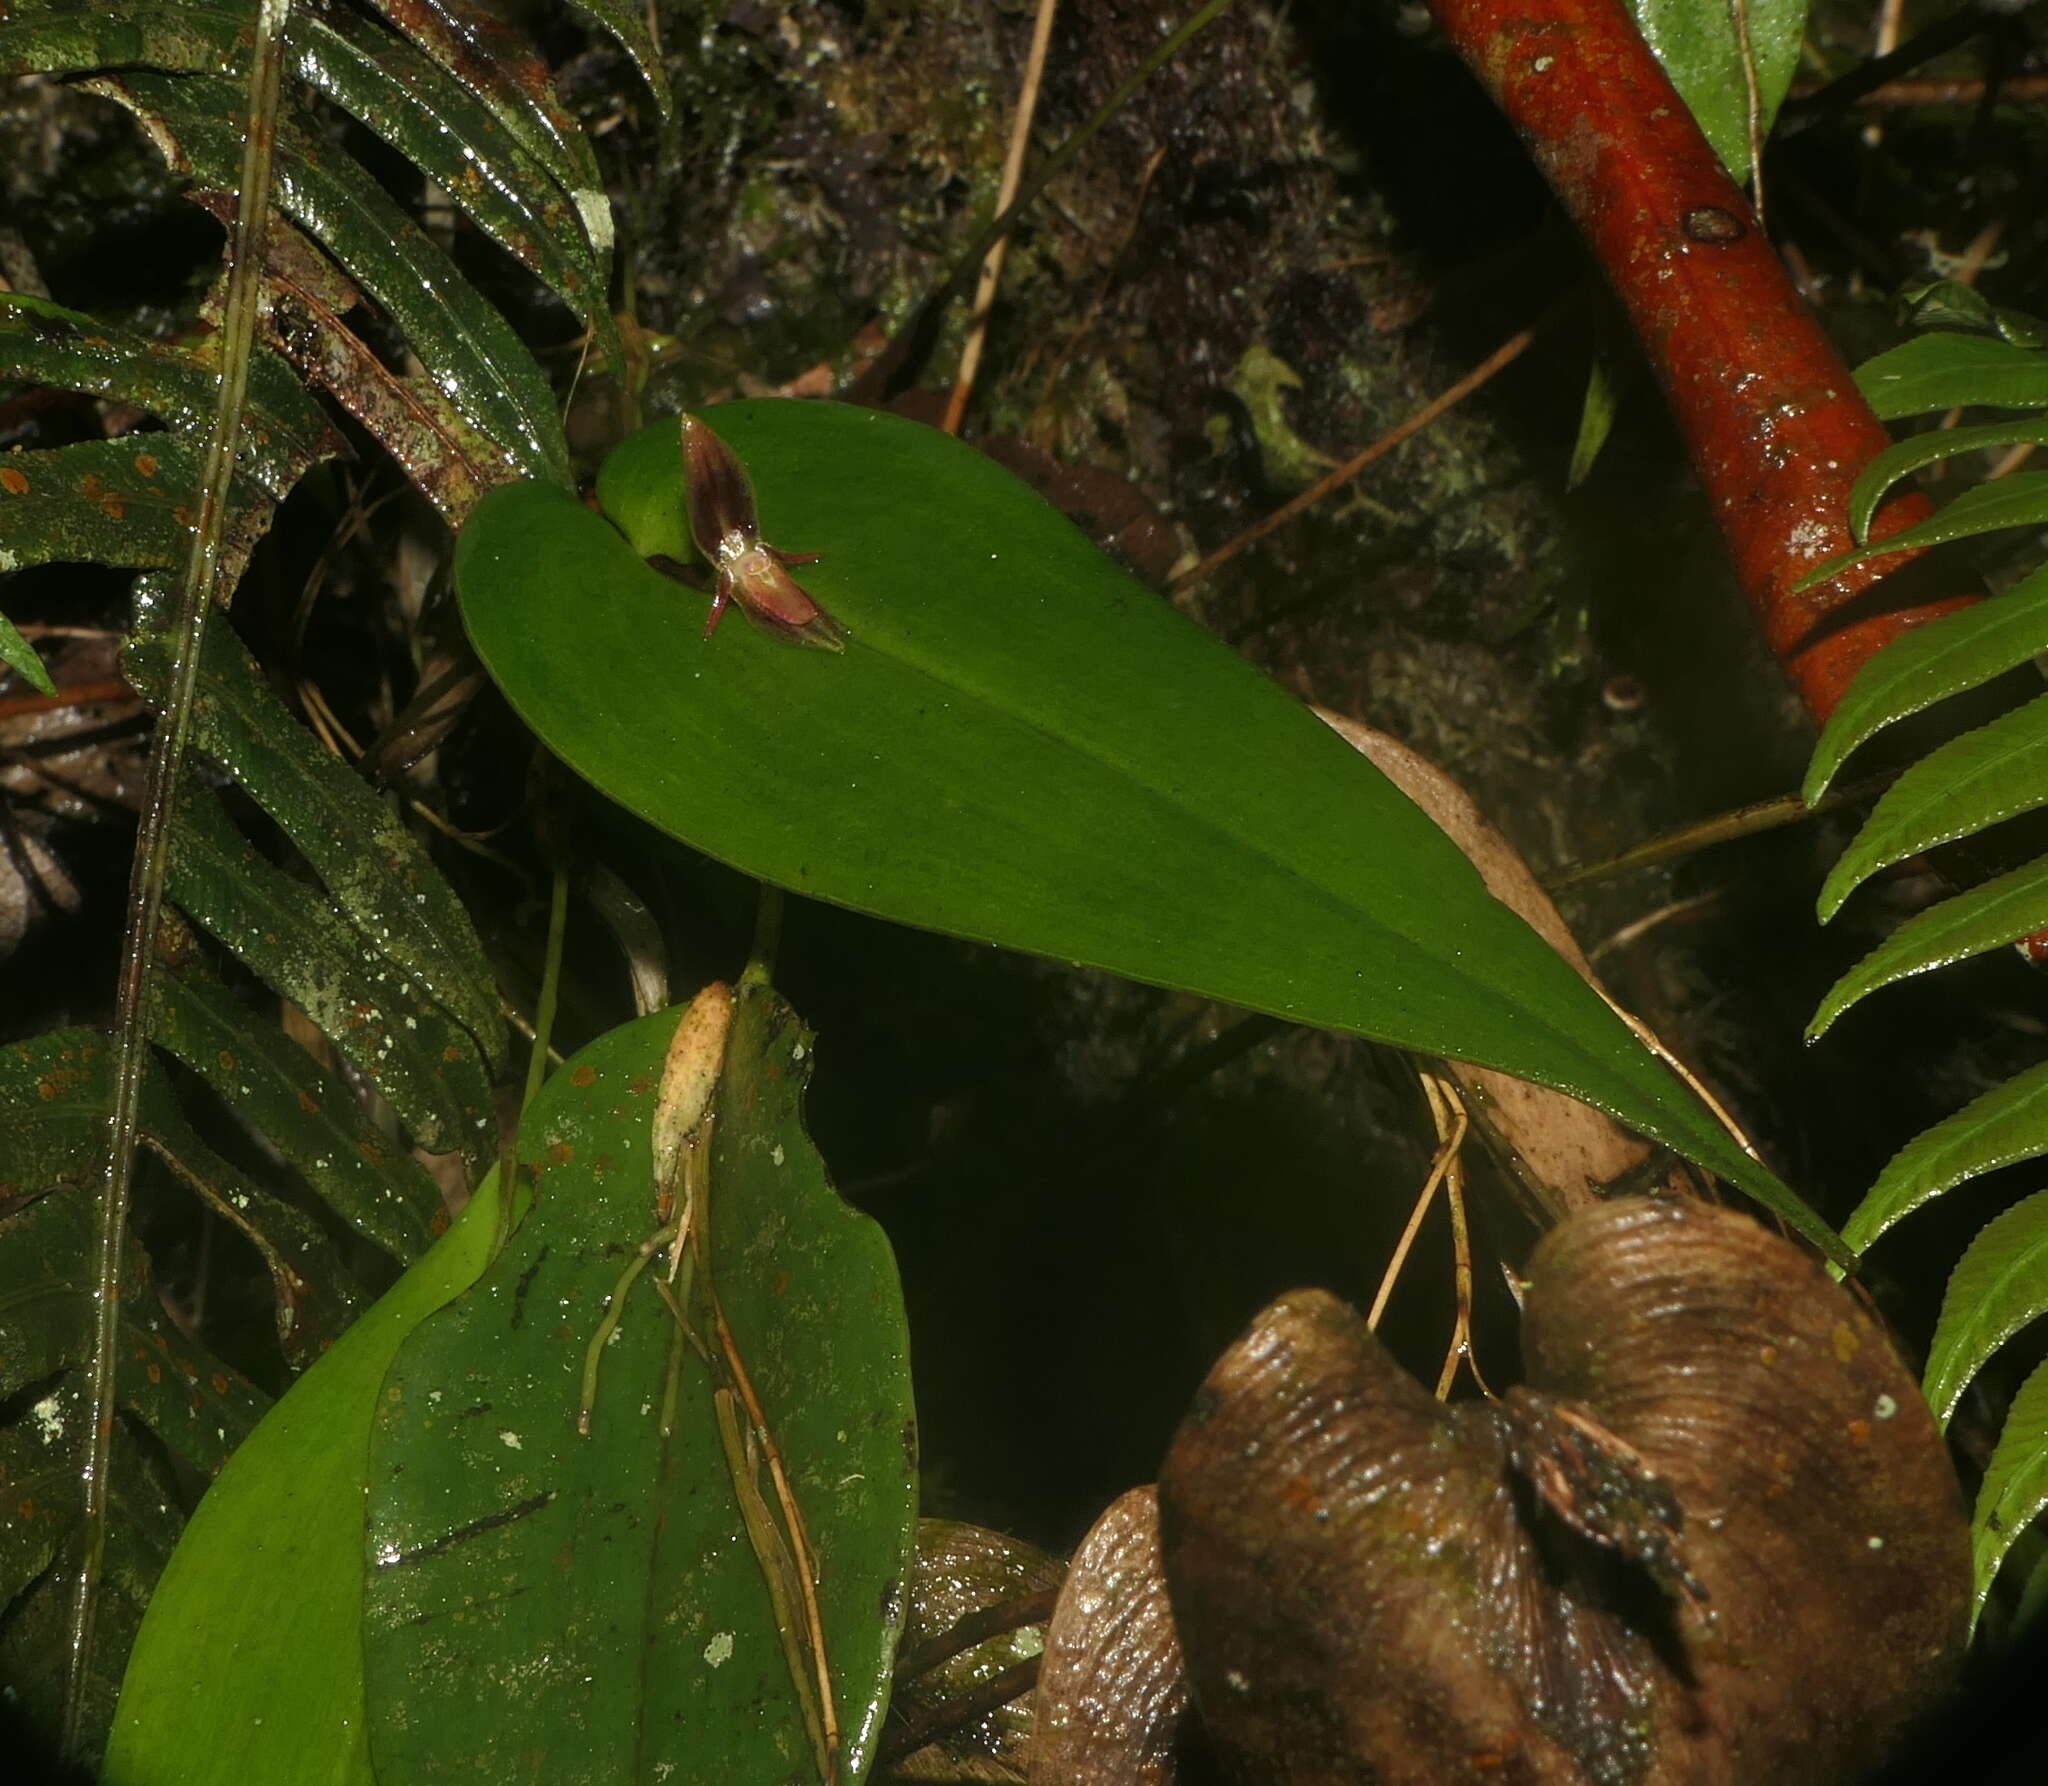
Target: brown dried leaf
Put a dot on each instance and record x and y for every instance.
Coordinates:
(1720, 1540)
(1112, 1690)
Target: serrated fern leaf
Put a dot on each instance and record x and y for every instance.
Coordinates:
(2020, 500)
(2015, 1487)
(1949, 654)
(2007, 1123)
(1999, 1285)
(2000, 911)
(1971, 782)
(1993, 773)
(1948, 371)
(373, 868)
(1937, 444)
(168, 1387)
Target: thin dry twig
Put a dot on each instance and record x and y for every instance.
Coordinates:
(1006, 193)
(1504, 355)
(1447, 1113)
(1450, 1137)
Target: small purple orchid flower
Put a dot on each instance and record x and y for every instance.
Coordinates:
(750, 572)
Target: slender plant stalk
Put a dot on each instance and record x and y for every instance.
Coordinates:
(152, 849)
(550, 989)
(1013, 174)
(1169, 46)
(966, 268)
(1502, 356)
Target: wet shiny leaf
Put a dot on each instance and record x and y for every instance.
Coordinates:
(178, 1401)
(407, 1046)
(267, 1582)
(1949, 654)
(1019, 745)
(1999, 1285)
(479, 363)
(596, 1607)
(2007, 1123)
(1969, 783)
(378, 874)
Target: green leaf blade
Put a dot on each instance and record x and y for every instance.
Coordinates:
(378, 873)
(1909, 455)
(446, 131)
(23, 659)
(2015, 1487)
(479, 363)
(289, 936)
(284, 431)
(1971, 782)
(1998, 1286)
(306, 1113)
(1950, 653)
(626, 1622)
(1951, 371)
(194, 1405)
(1999, 911)
(267, 1582)
(1702, 51)
(2006, 1124)
(498, 64)
(1020, 745)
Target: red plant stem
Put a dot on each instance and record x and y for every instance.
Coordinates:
(1774, 423)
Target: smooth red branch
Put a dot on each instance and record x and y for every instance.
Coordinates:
(1774, 423)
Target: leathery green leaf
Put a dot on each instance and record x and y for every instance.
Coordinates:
(1020, 745)
(285, 430)
(267, 1582)
(278, 1090)
(292, 938)
(480, 364)
(1916, 450)
(574, 1608)
(498, 63)
(2020, 500)
(20, 657)
(196, 1407)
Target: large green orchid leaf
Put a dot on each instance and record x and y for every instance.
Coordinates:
(1020, 745)
(588, 1540)
(267, 1582)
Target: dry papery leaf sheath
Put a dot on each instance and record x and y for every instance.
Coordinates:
(1716, 1540)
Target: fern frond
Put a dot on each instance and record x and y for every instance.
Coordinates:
(1990, 774)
